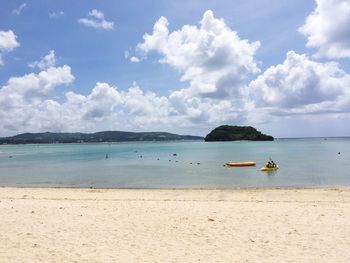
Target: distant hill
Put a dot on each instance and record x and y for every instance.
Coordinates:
(236, 133)
(105, 136)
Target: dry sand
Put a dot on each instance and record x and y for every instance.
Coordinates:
(87, 225)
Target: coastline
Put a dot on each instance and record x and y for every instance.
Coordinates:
(184, 188)
(175, 225)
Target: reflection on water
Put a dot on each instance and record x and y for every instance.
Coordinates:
(270, 173)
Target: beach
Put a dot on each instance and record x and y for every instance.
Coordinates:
(139, 225)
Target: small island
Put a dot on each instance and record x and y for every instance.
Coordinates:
(236, 133)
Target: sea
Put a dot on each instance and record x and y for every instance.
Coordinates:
(303, 162)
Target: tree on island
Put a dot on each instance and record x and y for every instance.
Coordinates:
(236, 133)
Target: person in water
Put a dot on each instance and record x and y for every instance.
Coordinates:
(273, 164)
(270, 164)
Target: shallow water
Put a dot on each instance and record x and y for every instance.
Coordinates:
(303, 162)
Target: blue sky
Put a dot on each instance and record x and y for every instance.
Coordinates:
(94, 85)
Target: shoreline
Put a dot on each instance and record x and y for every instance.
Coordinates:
(174, 225)
(236, 188)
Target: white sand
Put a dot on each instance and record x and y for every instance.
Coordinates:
(82, 225)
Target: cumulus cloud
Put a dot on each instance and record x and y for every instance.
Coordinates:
(213, 60)
(18, 10)
(96, 19)
(131, 108)
(8, 42)
(134, 59)
(38, 85)
(327, 28)
(26, 106)
(25, 102)
(302, 86)
(211, 57)
(46, 62)
(216, 66)
(56, 14)
(101, 102)
(28, 103)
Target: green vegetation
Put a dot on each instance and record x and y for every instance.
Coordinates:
(106, 136)
(236, 133)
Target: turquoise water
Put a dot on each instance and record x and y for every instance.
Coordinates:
(303, 162)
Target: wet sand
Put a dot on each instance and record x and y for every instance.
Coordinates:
(233, 225)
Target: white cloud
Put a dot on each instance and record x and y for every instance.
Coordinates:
(8, 42)
(302, 86)
(106, 105)
(56, 14)
(101, 102)
(134, 59)
(215, 62)
(97, 14)
(96, 20)
(18, 10)
(216, 65)
(221, 59)
(211, 57)
(147, 107)
(46, 62)
(327, 28)
(26, 104)
(38, 85)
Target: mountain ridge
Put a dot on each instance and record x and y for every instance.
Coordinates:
(103, 136)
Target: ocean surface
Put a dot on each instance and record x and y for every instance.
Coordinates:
(313, 162)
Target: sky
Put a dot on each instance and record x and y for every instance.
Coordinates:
(282, 66)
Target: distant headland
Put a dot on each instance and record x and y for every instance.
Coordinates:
(105, 136)
(236, 133)
(221, 133)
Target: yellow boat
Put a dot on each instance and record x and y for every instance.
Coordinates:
(267, 169)
(239, 164)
